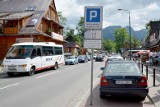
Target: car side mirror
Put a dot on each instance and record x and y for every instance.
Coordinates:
(102, 68)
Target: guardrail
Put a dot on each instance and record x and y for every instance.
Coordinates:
(154, 71)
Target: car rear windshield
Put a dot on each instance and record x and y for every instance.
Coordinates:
(122, 68)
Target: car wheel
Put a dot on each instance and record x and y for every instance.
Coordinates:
(56, 66)
(140, 99)
(10, 74)
(31, 72)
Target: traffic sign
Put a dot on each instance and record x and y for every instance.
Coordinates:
(93, 17)
(93, 34)
(92, 44)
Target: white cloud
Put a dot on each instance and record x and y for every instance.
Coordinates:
(142, 11)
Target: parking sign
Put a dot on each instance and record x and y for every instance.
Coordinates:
(93, 17)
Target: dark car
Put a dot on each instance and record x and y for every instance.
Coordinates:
(123, 78)
(99, 57)
(82, 59)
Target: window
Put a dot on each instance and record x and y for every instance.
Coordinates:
(47, 51)
(38, 52)
(34, 53)
(58, 50)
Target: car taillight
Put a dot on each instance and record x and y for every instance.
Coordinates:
(143, 81)
(103, 82)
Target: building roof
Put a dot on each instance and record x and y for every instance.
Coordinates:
(4, 14)
(71, 44)
(23, 5)
(17, 15)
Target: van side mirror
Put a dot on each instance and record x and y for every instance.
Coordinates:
(102, 68)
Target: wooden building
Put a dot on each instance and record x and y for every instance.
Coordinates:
(28, 20)
(152, 42)
(72, 47)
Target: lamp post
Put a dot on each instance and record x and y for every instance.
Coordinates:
(129, 30)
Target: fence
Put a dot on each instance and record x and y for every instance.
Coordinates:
(154, 69)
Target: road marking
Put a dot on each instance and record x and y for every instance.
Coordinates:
(45, 75)
(9, 86)
(70, 67)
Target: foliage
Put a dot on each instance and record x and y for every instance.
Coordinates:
(62, 19)
(80, 27)
(121, 38)
(109, 45)
(69, 32)
(78, 39)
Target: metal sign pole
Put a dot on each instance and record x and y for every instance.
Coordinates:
(91, 79)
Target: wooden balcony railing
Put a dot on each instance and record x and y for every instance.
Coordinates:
(10, 30)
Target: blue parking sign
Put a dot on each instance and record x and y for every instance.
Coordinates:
(93, 15)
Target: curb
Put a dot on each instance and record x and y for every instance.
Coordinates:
(151, 100)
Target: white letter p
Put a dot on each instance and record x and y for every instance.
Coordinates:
(93, 14)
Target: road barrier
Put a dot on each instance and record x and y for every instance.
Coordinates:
(154, 71)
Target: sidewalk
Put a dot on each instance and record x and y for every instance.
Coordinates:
(154, 91)
(153, 96)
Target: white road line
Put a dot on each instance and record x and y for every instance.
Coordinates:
(70, 67)
(45, 75)
(9, 86)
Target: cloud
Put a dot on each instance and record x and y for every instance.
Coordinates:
(142, 11)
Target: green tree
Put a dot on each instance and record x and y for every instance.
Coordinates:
(69, 32)
(62, 19)
(109, 45)
(80, 27)
(80, 31)
(121, 37)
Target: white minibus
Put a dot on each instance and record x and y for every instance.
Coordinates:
(29, 57)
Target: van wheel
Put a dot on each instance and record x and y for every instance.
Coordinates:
(31, 72)
(10, 74)
(56, 66)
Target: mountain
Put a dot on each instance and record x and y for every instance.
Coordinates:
(108, 32)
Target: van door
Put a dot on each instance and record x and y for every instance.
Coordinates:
(36, 58)
(39, 58)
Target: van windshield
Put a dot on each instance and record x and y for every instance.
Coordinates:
(19, 52)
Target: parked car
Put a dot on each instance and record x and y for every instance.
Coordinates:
(99, 57)
(82, 59)
(89, 57)
(94, 56)
(71, 60)
(123, 78)
(113, 58)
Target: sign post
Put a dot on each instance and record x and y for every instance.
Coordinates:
(93, 23)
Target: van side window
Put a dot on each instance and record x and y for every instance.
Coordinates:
(38, 52)
(34, 53)
(58, 50)
(47, 51)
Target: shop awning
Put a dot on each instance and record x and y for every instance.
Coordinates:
(16, 16)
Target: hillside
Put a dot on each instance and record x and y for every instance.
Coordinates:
(108, 32)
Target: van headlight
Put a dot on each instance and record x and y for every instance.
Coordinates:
(23, 66)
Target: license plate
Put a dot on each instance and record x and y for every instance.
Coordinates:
(123, 82)
(12, 68)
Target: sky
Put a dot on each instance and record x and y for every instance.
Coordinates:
(141, 11)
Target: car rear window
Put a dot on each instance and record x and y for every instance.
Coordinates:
(122, 67)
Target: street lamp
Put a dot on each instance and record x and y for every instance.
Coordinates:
(129, 30)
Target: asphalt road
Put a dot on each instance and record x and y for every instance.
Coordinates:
(66, 87)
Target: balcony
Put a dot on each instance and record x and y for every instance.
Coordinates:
(57, 36)
(10, 30)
